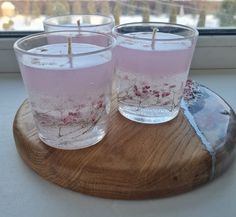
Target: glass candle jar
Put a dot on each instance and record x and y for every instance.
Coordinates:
(84, 22)
(153, 61)
(69, 85)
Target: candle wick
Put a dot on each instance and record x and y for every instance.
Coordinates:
(155, 30)
(69, 49)
(78, 22)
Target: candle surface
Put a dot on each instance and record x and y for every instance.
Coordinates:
(163, 41)
(62, 49)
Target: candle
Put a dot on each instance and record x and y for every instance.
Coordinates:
(97, 23)
(69, 93)
(152, 68)
(82, 22)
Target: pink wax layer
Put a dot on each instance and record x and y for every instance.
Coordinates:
(64, 76)
(165, 59)
(154, 63)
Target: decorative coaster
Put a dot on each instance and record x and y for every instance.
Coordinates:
(137, 161)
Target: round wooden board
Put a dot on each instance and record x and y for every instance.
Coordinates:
(138, 161)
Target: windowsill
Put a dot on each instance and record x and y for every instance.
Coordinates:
(24, 193)
(221, 81)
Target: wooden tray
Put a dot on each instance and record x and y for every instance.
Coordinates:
(137, 161)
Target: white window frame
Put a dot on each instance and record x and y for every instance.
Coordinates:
(212, 52)
(215, 52)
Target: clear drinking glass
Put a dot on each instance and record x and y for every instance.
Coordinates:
(153, 61)
(86, 22)
(69, 85)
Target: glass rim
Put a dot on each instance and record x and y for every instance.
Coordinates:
(194, 31)
(109, 17)
(65, 33)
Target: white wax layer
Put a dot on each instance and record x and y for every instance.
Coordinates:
(70, 61)
(162, 41)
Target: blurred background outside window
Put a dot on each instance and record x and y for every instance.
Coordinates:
(27, 15)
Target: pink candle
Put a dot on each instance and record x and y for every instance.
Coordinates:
(84, 22)
(80, 22)
(69, 92)
(152, 69)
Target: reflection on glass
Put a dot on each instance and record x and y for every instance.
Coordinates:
(29, 14)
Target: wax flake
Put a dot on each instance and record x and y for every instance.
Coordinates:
(35, 61)
(44, 50)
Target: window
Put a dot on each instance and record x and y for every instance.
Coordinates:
(28, 14)
(215, 19)
(21, 15)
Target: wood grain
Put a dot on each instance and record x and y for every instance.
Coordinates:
(133, 161)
